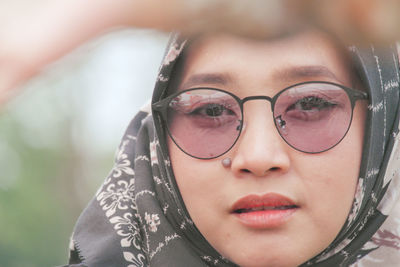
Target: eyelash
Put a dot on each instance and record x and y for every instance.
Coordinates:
(312, 100)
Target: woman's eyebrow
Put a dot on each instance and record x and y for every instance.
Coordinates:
(207, 78)
(298, 72)
(288, 74)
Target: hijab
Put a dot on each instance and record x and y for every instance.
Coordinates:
(138, 217)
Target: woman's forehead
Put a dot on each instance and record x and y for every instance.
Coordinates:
(304, 56)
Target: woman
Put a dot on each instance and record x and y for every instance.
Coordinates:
(255, 153)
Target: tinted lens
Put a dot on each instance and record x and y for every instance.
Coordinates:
(313, 117)
(204, 123)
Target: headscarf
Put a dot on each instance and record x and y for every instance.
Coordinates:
(138, 217)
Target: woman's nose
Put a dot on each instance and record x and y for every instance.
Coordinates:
(260, 149)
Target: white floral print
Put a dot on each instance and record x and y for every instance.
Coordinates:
(152, 221)
(128, 229)
(117, 196)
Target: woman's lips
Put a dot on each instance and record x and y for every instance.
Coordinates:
(266, 211)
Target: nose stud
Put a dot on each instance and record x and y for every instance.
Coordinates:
(226, 162)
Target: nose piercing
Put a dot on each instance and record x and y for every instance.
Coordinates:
(226, 162)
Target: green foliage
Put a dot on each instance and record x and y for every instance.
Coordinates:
(43, 188)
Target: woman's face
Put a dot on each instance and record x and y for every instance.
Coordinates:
(319, 188)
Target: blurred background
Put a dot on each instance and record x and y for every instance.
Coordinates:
(59, 136)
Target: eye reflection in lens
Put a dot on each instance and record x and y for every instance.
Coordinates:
(316, 116)
(205, 122)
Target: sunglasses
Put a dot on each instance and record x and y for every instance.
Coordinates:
(311, 117)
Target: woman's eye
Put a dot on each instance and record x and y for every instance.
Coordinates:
(212, 110)
(311, 103)
(311, 109)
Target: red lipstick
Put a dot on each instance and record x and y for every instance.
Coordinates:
(264, 212)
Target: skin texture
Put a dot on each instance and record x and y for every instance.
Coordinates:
(322, 185)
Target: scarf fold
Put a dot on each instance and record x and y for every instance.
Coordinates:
(138, 218)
